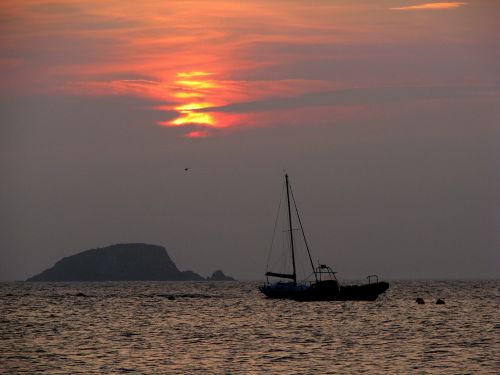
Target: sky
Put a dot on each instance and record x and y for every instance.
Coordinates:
(385, 114)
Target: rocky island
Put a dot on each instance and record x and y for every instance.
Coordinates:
(219, 276)
(122, 262)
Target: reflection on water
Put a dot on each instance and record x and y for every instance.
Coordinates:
(229, 327)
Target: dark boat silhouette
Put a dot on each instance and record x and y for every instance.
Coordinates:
(324, 286)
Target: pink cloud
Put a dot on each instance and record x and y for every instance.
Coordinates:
(431, 6)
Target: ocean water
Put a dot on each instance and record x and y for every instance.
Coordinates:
(230, 328)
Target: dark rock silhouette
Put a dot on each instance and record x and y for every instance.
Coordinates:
(420, 301)
(219, 276)
(123, 262)
(129, 334)
(81, 294)
(440, 301)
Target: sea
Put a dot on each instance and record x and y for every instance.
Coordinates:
(231, 328)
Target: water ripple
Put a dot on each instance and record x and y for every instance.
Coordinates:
(222, 328)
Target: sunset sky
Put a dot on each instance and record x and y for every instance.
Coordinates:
(385, 113)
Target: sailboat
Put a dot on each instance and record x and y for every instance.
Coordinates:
(287, 289)
(324, 285)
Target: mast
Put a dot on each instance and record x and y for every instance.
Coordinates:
(304, 235)
(290, 227)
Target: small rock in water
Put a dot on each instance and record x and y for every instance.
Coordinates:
(171, 298)
(80, 294)
(420, 301)
(129, 334)
(125, 370)
(440, 301)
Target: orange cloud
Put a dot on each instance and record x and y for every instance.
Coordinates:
(430, 6)
(191, 59)
(198, 95)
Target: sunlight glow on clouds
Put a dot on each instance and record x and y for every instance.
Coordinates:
(430, 6)
(198, 57)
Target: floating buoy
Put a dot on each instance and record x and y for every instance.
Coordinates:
(440, 301)
(420, 301)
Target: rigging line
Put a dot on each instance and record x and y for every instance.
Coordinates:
(274, 229)
(303, 234)
(283, 250)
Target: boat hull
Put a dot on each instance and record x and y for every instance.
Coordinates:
(323, 291)
(283, 290)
